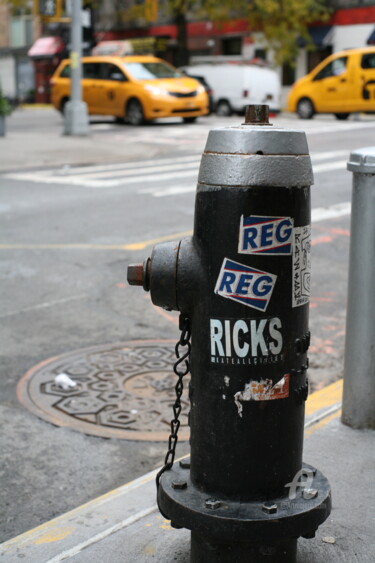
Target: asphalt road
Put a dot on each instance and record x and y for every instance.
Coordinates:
(67, 235)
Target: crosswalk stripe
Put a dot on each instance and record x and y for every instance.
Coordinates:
(69, 171)
(148, 170)
(156, 191)
(330, 212)
(144, 172)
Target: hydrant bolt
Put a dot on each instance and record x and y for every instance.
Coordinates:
(185, 463)
(308, 494)
(212, 503)
(179, 484)
(269, 508)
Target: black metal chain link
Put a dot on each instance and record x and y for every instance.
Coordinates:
(182, 356)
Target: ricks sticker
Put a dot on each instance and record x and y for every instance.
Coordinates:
(246, 341)
(245, 285)
(301, 266)
(263, 390)
(266, 235)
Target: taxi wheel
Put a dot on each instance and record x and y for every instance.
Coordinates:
(305, 108)
(134, 112)
(189, 119)
(63, 104)
(341, 116)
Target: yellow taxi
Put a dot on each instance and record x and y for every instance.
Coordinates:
(135, 88)
(341, 84)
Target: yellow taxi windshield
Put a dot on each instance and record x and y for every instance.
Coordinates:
(151, 70)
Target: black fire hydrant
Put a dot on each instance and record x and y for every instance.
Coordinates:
(243, 281)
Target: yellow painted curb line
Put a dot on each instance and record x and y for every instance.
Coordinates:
(325, 397)
(132, 246)
(35, 106)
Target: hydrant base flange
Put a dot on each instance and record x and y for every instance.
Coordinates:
(299, 512)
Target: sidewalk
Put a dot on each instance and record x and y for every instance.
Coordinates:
(125, 526)
(34, 139)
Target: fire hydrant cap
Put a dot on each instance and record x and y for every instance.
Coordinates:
(251, 155)
(252, 139)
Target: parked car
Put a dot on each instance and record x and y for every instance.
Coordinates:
(341, 84)
(237, 85)
(136, 88)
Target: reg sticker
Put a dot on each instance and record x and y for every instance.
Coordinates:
(266, 235)
(301, 266)
(246, 285)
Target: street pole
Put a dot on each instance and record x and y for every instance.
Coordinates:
(358, 408)
(75, 114)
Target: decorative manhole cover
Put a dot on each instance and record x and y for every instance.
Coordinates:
(122, 391)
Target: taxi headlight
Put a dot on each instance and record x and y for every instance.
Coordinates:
(155, 90)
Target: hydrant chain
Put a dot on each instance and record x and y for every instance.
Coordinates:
(184, 341)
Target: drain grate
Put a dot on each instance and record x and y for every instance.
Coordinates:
(123, 391)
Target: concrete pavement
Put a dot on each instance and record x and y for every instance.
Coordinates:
(125, 526)
(35, 139)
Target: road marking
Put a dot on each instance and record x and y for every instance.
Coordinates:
(336, 128)
(330, 212)
(329, 166)
(102, 535)
(43, 305)
(87, 183)
(173, 190)
(325, 398)
(329, 154)
(74, 170)
(318, 214)
(147, 171)
(133, 172)
(334, 412)
(132, 246)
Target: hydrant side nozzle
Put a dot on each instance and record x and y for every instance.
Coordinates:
(139, 274)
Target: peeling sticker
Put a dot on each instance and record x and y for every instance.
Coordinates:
(245, 285)
(263, 390)
(301, 265)
(246, 341)
(265, 235)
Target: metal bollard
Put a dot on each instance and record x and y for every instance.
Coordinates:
(358, 410)
(242, 282)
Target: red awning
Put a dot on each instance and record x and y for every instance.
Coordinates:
(46, 47)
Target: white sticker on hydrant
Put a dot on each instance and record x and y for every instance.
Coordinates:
(301, 266)
(263, 390)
